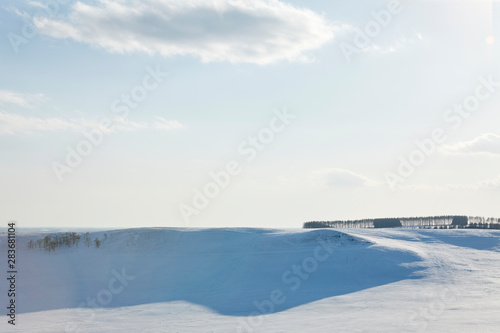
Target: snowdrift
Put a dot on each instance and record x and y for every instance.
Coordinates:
(235, 272)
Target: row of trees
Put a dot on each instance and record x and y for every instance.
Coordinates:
(477, 219)
(68, 239)
(467, 226)
(416, 222)
(484, 225)
(339, 224)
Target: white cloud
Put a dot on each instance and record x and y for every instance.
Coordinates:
(485, 185)
(393, 46)
(36, 4)
(253, 31)
(425, 187)
(385, 45)
(344, 178)
(8, 97)
(17, 12)
(491, 184)
(163, 124)
(14, 124)
(488, 143)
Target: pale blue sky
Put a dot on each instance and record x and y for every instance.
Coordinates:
(231, 65)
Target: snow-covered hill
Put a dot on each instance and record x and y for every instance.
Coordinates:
(260, 280)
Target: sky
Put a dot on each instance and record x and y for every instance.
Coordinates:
(247, 113)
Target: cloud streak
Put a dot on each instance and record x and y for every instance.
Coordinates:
(244, 31)
(343, 178)
(15, 124)
(488, 143)
(484, 185)
(9, 97)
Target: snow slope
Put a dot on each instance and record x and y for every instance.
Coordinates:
(260, 280)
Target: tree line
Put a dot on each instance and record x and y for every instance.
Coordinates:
(450, 221)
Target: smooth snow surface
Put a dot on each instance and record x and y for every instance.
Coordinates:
(260, 280)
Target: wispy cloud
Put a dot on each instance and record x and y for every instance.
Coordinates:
(343, 178)
(8, 97)
(253, 31)
(393, 46)
(484, 185)
(16, 11)
(488, 143)
(14, 124)
(36, 4)
(382, 45)
(425, 187)
(491, 184)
